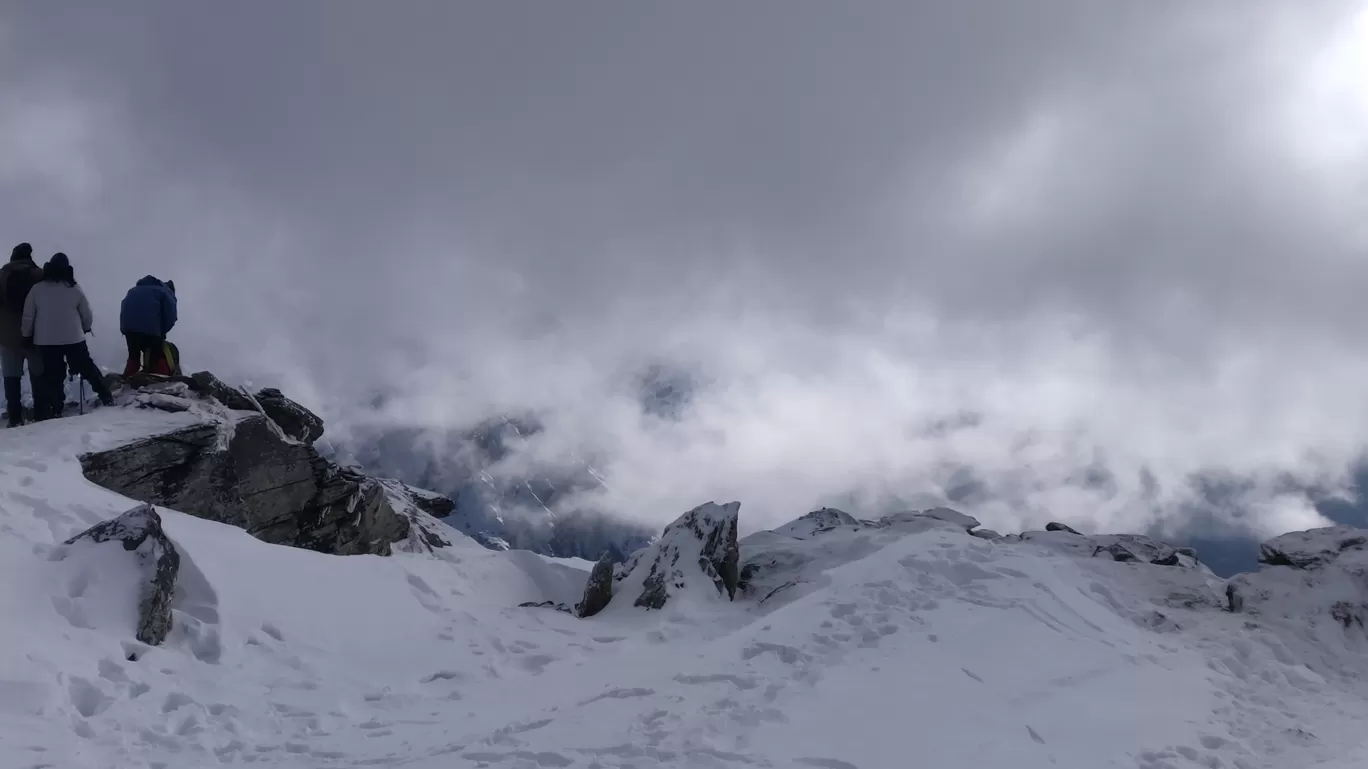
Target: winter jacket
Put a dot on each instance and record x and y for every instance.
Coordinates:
(148, 308)
(17, 277)
(56, 314)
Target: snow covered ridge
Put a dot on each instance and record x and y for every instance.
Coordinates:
(828, 642)
(249, 461)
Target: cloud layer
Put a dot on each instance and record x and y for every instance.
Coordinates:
(1055, 260)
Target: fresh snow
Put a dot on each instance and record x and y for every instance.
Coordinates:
(909, 644)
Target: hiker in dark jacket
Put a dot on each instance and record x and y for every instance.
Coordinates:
(16, 278)
(57, 318)
(146, 316)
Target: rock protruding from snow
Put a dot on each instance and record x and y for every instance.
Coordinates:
(1057, 526)
(954, 517)
(231, 397)
(296, 421)
(1316, 578)
(699, 545)
(1312, 549)
(816, 522)
(139, 531)
(1123, 548)
(250, 471)
(598, 591)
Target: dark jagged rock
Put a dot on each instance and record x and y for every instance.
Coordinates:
(599, 590)
(140, 532)
(546, 605)
(434, 505)
(232, 397)
(700, 543)
(1171, 559)
(1234, 601)
(1056, 526)
(1349, 614)
(244, 471)
(1117, 551)
(297, 422)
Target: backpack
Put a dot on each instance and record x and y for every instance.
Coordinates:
(169, 362)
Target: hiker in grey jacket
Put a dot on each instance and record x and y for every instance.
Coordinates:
(56, 319)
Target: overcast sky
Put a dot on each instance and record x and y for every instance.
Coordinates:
(1130, 238)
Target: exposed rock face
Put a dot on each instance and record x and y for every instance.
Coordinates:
(701, 544)
(599, 590)
(295, 420)
(1055, 526)
(139, 531)
(245, 470)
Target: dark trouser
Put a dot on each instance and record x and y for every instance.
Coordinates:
(138, 346)
(55, 361)
(12, 360)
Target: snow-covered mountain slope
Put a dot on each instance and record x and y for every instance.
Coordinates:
(870, 644)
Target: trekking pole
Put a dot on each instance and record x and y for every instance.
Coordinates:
(82, 395)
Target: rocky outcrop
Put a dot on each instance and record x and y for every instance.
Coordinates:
(1056, 526)
(599, 590)
(698, 548)
(1122, 548)
(243, 468)
(139, 532)
(1316, 578)
(1312, 549)
(294, 420)
(818, 521)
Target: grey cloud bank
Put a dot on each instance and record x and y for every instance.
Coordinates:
(1075, 253)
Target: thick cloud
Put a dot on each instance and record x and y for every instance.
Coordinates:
(1071, 256)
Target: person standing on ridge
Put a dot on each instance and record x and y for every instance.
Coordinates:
(57, 318)
(16, 279)
(147, 315)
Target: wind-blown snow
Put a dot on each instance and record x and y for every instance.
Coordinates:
(907, 644)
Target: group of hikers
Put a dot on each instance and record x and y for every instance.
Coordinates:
(44, 319)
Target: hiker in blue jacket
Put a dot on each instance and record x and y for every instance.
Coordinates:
(146, 316)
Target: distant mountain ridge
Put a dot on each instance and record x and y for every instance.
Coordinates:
(533, 511)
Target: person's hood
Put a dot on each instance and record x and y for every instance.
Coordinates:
(148, 280)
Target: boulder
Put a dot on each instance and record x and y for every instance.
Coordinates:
(431, 503)
(1056, 526)
(140, 533)
(599, 590)
(248, 471)
(699, 546)
(296, 421)
(231, 397)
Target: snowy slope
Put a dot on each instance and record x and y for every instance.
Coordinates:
(903, 644)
